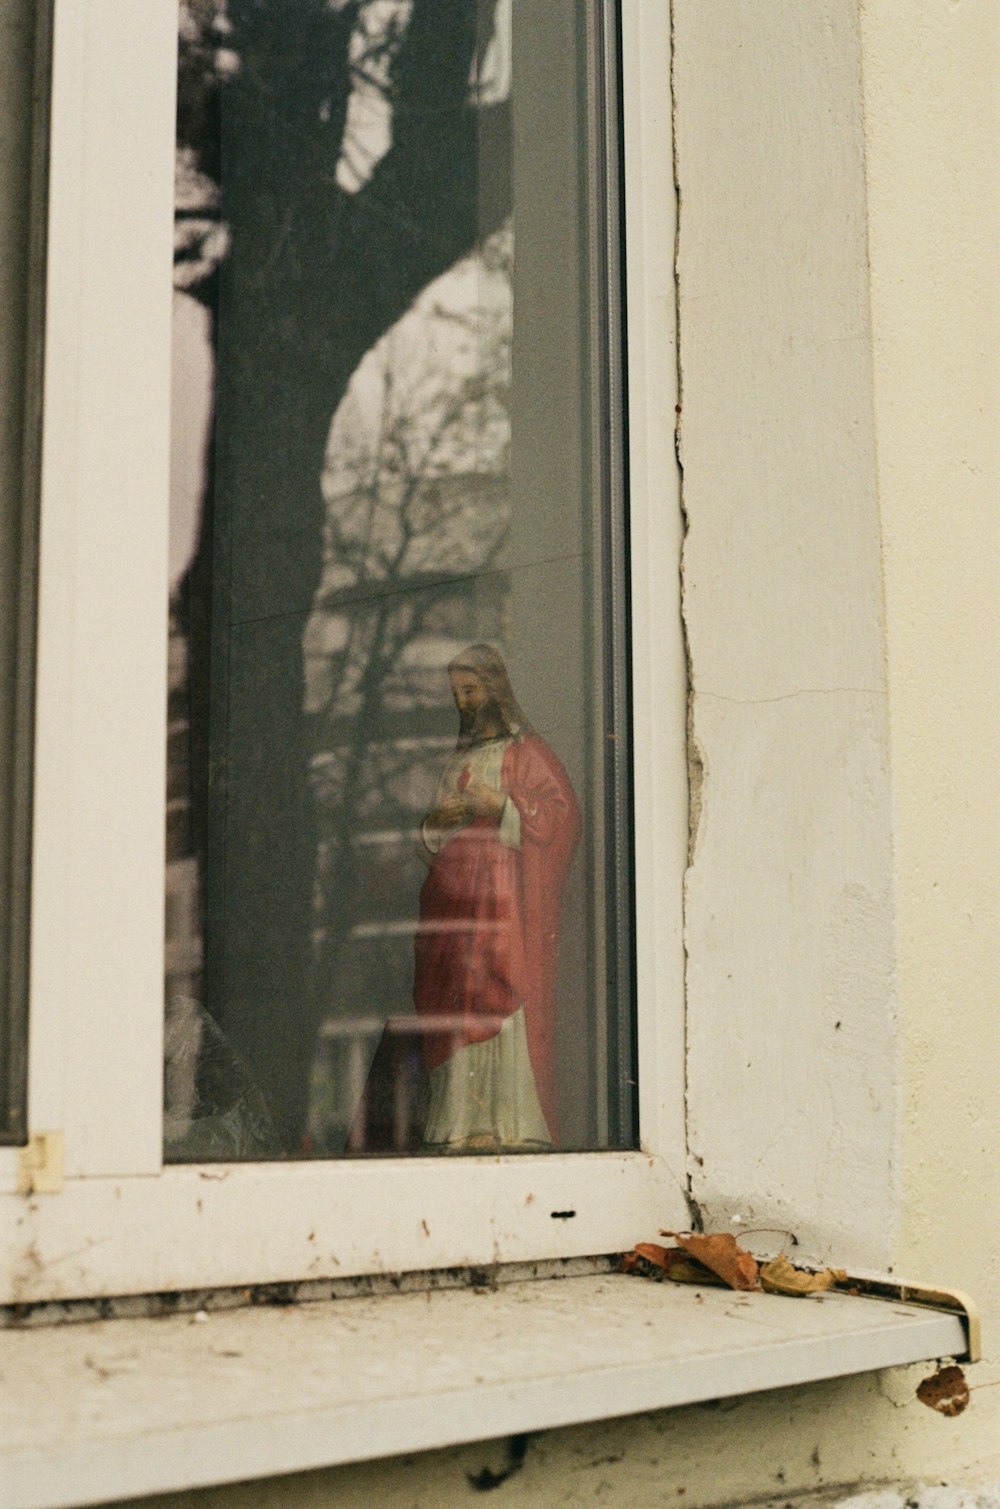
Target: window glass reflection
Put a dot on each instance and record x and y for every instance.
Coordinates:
(397, 908)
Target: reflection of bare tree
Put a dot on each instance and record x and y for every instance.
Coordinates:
(417, 514)
(366, 151)
(423, 426)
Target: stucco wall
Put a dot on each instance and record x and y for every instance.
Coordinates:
(792, 1061)
(931, 120)
(932, 84)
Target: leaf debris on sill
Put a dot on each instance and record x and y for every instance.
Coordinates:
(717, 1258)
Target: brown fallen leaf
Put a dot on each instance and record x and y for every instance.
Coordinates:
(782, 1277)
(686, 1271)
(946, 1391)
(654, 1253)
(719, 1251)
(677, 1265)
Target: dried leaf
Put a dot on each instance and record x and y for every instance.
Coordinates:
(685, 1270)
(678, 1264)
(782, 1277)
(946, 1391)
(674, 1261)
(718, 1250)
(653, 1253)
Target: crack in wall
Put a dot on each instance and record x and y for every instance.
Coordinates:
(695, 763)
(695, 757)
(696, 778)
(801, 691)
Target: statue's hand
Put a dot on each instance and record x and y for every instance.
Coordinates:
(483, 801)
(452, 812)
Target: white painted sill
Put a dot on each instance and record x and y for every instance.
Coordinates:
(119, 1408)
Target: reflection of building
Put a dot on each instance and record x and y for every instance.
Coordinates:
(441, 549)
(182, 924)
(383, 715)
(182, 963)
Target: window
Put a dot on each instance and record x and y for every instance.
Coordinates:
(97, 1007)
(398, 481)
(793, 860)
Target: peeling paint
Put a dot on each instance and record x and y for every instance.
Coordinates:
(696, 781)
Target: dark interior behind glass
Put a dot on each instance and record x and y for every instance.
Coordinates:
(25, 28)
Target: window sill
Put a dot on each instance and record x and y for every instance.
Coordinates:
(115, 1409)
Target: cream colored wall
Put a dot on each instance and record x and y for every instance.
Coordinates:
(932, 87)
(792, 1056)
(931, 130)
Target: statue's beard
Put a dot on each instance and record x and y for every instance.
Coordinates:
(479, 723)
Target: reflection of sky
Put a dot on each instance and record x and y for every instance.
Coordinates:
(191, 400)
(368, 135)
(457, 331)
(368, 130)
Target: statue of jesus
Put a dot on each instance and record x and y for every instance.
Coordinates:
(499, 839)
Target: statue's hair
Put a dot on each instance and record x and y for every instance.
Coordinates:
(487, 663)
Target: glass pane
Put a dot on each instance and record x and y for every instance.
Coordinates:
(24, 46)
(398, 878)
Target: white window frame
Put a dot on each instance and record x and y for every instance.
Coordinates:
(122, 1222)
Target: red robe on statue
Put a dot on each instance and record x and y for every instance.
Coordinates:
(488, 938)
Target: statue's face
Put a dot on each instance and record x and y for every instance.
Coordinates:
(476, 709)
(468, 691)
